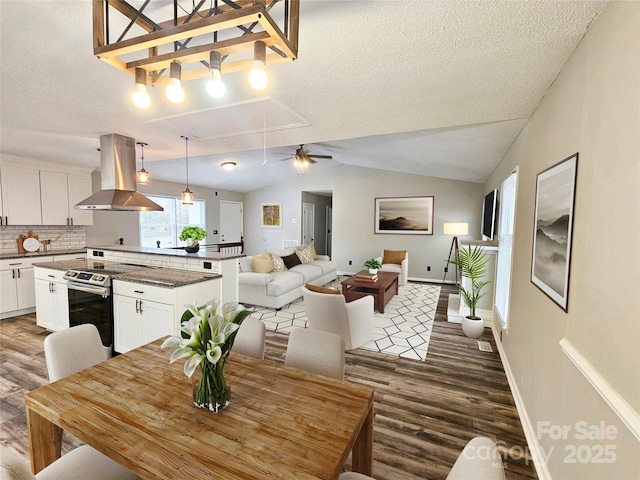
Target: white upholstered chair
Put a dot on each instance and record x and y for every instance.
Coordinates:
(66, 352)
(479, 460)
(250, 338)
(316, 352)
(353, 321)
(390, 263)
(81, 463)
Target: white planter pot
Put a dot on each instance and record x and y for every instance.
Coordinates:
(373, 271)
(472, 327)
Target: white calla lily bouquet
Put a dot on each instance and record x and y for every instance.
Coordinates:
(206, 336)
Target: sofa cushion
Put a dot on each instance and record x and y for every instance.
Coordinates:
(253, 278)
(262, 263)
(327, 266)
(315, 288)
(291, 260)
(246, 264)
(305, 254)
(283, 282)
(392, 256)
(309, 271)
(278, 263)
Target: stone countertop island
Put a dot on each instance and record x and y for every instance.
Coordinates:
(204, 261)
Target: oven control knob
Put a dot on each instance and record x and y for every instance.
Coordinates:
(98, 278)
(71, 273)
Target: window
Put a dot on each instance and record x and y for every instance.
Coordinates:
(166, 226)
(505, 246)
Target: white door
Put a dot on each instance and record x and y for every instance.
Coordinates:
(230, 222)
(308, 222)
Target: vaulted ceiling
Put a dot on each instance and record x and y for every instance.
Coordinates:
(438, 88)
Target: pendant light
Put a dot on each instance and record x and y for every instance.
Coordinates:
(187, 195)
(258, 77)
(140, 97)
(142, 176)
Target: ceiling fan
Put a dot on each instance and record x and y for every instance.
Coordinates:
(303, 158)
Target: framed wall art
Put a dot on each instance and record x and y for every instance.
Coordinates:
(553, 229)
(271, 215)
(404, 215)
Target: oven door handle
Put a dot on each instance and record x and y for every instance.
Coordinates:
(88, 289)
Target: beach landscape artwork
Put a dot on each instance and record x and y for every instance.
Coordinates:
(555, 203)
(404, 215)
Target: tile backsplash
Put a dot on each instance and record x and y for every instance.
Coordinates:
(62, 237)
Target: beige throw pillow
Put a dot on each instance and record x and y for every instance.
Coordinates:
(305, 255)
(262, 263)
(311, 248)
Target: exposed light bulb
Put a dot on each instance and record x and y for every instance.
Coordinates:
(258, 77)
(174, 91)
(140, 97)
(215, 86)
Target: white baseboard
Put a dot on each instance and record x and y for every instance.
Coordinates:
(529, 431)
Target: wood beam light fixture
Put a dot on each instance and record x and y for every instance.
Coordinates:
(170, 46)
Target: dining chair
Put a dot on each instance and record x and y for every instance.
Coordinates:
(81, 463)
(250, 338)
(353, 321)
(316, 352)
(66, 352)
(479, 460)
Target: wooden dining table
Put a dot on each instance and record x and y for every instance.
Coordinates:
(137, 409)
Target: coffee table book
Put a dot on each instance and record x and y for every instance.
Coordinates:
(365, 276)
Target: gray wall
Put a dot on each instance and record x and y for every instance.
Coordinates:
(592, 108)
(354, 192)
(108, 226)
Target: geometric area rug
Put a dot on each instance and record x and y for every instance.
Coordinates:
(403, 330)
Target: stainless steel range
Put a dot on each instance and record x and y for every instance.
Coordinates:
(89, 296)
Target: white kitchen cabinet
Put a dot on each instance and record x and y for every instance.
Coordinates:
(52, 304)
(17, 287)
(143, 313)
(21, 195)
(138, 320)
(59, 194)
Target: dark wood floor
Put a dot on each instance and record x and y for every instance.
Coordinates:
(425, 411)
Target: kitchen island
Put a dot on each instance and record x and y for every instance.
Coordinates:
(205, 261)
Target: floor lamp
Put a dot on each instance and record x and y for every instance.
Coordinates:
(454, 229)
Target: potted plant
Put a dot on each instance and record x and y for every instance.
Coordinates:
(192, 235)
(373, 265)
(472, 262)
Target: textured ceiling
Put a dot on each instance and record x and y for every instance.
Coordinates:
(437, 88)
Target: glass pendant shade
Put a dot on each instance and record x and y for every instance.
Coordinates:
(187, 197)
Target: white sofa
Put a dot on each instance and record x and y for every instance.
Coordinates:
(276, 289)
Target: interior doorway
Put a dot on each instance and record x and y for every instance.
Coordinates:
(316, 220)
(231, 224)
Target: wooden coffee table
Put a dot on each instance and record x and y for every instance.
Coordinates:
(382, 289)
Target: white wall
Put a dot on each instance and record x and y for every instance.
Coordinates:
(354, 192)
(109, 226)
(592, 108)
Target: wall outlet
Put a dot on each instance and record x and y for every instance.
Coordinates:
(428, 268)
(350, 262)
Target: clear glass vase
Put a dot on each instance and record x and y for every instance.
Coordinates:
(210, 390)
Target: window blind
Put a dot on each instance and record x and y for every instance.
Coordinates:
(505, 246)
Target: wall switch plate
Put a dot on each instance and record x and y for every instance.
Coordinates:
(207, 265)
(215, 232)
(294, 220)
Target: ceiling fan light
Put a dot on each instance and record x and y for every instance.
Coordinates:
(228, 166)
(174, 91)
(140, 97)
